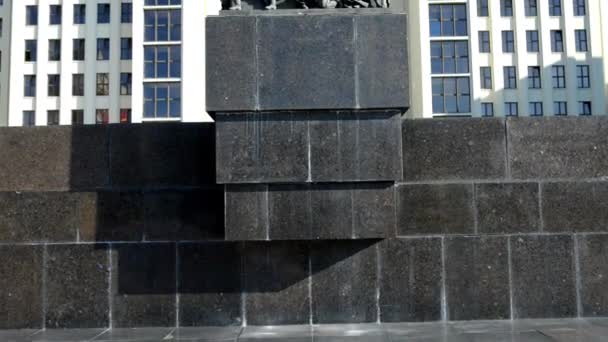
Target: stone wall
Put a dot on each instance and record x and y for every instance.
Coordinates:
(125, 226)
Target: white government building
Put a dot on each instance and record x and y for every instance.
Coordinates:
(110, 61)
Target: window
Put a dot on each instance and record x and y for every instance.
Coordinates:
(510, 77)
(77, 117)
(484, 41)
(52, 117)
(29, 118)
(165, 61)
(532, 44)
(103, 84)
(487, 109)
(581, 40)
(103, 49)
(162, 100)
(511, 109)
(126, 12)
(557, 41)
(582, 76)
(126, 49)
(29, 83)
(55, 15)
(558, 74)
(77, 84)
(448, 20)
(80, 14)
(580, 9)
(54, 49)
(531, 8)
(508, 41)
(78, 50)
(163, 2)
(506, 8)
(555, 8)
(125, 83)
(535, 109)
(102, 116)
(31, 15)
(125, 115)
(53, 85)
(162, 26)
(31, 50)
(482, 8)
(451, 95)
(584, 108)
(560, 108)
(1, 26)
(103, 13)
(534, 79)
(486, 77)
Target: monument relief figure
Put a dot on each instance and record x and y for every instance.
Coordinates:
(306, 4)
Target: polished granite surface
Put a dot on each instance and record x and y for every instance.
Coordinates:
(557, 330)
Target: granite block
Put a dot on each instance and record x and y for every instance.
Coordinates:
(162, 155)
(289, 212)
(21, 287)
(66, 335)
(207, 334)
(209, 284)
(282, 333)
(410, 280)
(185, 214)
(593, 263)
(77, 286)
(89, 159)
(246, 212)
(261, 147)
(276, 283)
(374, 210)
(471, 148)
(234, 81)
(344, 281)
(435, 209)
(45, 216)
(119, 216)
(331, 211)
(543, 276)
(135, 334)
(313, 67)
(575, 206)
(477, 278)
(382, 63)
(143, 285)
(558, 147)
(508, 208)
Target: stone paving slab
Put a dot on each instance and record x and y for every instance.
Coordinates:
(537, 330)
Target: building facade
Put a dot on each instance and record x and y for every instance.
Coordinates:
(5, 33)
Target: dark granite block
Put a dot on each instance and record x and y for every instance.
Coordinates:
(374, 210)
(284, 333)
(276, 283)
(162, 155)
(435, 209)
(184, 215)
(207, 334)
(21, 287)
(355, 147)
(382, 61)
(410, 280)
(508, 207)
(575, 206)
(265, 147)
(89, 159)
(143, 285)
(312, 68)
(135, 334)
(593, 263)
(246, 212)
(235, 80)
(477, 278)
(66, 335)
(558, 147)
(17, 335)
(45, 216)
(470, 149)
(209, 284)
(543, 276)
(77, 286)
(119, 217)
(331, 211)
(290, 215)
(344, 281)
